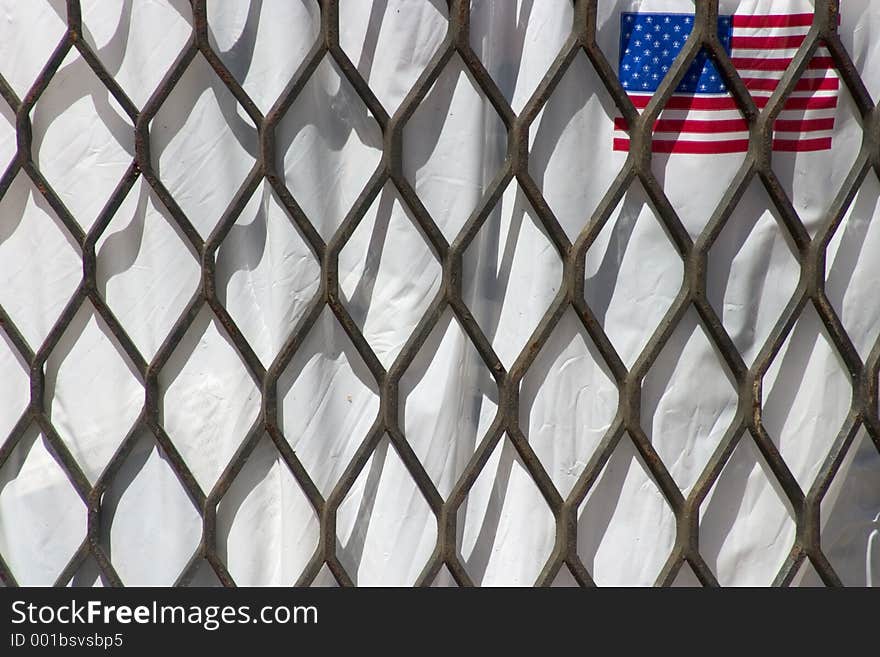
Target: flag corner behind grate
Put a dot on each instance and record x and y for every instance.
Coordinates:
(701, 117)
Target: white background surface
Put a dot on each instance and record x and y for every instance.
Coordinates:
(204, 145)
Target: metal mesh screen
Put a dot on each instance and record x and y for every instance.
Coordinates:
(694, 254)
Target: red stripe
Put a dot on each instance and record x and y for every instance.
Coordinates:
(727, 103)
(778, 64)
(804, 84)
(730, 125)
(774, 20)
(766, 43)
(692, 147)
(809, 103)
(803, 125)
(802, 145)
(731, 146)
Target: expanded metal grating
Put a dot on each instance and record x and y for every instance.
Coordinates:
(747, 425)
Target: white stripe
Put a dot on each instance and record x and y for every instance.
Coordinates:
(829, 73)
(770, 31)
(774, 53)
(819, 134)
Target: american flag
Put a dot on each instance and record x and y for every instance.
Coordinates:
(702, 117)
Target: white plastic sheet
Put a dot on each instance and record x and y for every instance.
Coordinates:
(204, 145)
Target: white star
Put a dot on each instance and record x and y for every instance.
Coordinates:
(649, 19)
(666, 20)
(626, 67)
(646, 68)
(625, 84)
(635, 76)
(638, 43)
(676, 44)
(644, 85)
(677, 28)
(687, 20)
(666, 37)
(638, 28)
(637, 59)
(656, 76)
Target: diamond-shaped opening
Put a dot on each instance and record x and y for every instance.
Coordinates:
(14, 385)
(8, 144)
(633, 274)
(328, 147)
(150, 528)
(328, 401)
(94, 391)
(747, 525)
(267, 528)
(804, 419)
(439, 160)
(816, 138)
(210, 401)
(392, 42)
(684, 422)
(518, 41)
(40, 264)
(505, 502)
(564, 579)
(388, 275)
(511, 273)
(626, 529)
(701, 132)
(686, 577)
(807, 576)
(266, 274)
(137, 57)
(567, 402)
(698, 137)
(852, 270)
(205, 577)
(204, 145)
(448, 400)
(143, 250)
(851, 516)
(752, 271)
(563, 140)
(444, 579)
(42, 519)
(386, 530)
(325, 579)
(22, 56)
(263, 44)
(83, 142)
